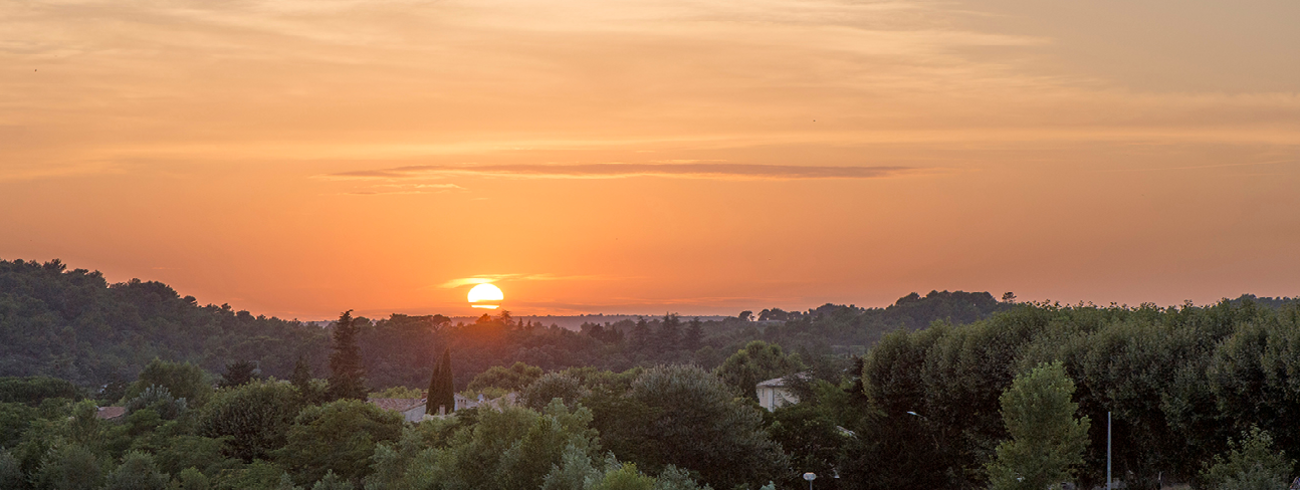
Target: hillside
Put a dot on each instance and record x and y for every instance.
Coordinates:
(74, 325)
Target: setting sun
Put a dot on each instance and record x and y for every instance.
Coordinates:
(485, 296)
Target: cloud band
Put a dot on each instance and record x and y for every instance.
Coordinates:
(720, 171)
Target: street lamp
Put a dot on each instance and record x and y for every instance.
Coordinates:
(810, 477)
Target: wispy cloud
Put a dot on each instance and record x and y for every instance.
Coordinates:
(489, 278)
(720, 171)
(404, 189)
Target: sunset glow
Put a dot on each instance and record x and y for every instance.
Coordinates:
(301, 158)
(485, 296)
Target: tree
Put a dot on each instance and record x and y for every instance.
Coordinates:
(255, 417)
(694, 335)
(160, 400)
(564, 386)
(693, 421)
(1047, 441)
(669, 332)
(182, 380)
(347, 373)
(756, 362)
(1252, 464)
(442, 389)
(310, 390)
(11, 471)
(641, 334)
(514, 378)
(137, 472)
(70, 467)
(239, 373)
(339, 436)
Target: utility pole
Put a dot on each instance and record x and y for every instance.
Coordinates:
(1109, 485)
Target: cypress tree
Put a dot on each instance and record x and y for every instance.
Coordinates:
(348, 375)
(442, 391)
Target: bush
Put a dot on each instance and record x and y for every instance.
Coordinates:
(1251, 464)
(338, 436)
(254, 418)
(137, 472)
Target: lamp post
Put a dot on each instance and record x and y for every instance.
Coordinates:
(810, 477)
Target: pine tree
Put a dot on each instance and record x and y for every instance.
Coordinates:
(348, 375)
(442, 390)
(694, 335)
(301, 376)
(641, 333)
(669, 332)
(1047, 441)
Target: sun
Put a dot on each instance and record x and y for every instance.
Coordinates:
(486, 296)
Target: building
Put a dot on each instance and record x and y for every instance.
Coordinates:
(774, 393)
(412, 409)
(110, 413)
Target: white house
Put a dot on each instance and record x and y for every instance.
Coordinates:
(773, 393)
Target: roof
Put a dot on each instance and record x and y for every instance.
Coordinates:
(109, 413)
(780, 382)
(397, 404)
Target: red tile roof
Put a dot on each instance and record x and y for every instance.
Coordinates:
(110, 413)
(397, 404)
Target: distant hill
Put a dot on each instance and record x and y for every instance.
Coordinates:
(74, 325)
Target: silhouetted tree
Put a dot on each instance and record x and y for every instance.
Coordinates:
(694, 335)
(641, 333)
(348, 375)
(442, 390)
(669, 332)
(238, 373)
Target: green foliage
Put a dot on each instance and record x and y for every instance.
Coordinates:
(253, 418)
(119, 328)
(332, 481)
(205, 454)
(514, 378)
(809, 431)
(311, 391)
(159, 400)
(192, 479)
(565, 386)
(137, 472)
(577, 471)
(339, 436)
(31, 391)
(182, 381)
(690, 419)
(14, 419)
(398, 392)
(84, 427)
(347, 372)
(239, 373)
(757, 362)
(11, 471)
(1047, 441)
(260, 475)
(1251, 464)
(70, 467)
(511, 449)
(626, 477)
(442, 390)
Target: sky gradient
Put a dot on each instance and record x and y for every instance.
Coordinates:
(299, 158)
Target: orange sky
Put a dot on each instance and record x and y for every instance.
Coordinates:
(299, 158)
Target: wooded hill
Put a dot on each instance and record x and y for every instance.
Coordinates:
(74, 325)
